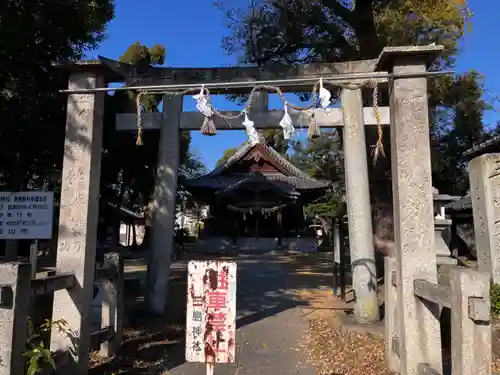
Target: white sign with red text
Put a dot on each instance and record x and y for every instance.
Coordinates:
(211, 312)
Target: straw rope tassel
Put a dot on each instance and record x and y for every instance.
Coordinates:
(208, 127)
(139, 118)
(378, 148)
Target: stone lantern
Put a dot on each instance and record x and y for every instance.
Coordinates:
(442, 227)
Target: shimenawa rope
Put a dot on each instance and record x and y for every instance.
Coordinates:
(208, 126)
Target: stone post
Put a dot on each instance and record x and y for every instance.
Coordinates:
(390, 317)
(364, 273)
(441, 229)
(34, 258)
(15, 300)
(112, 303)
(484, 175)
(164, 205)
(420, 341)
(470, 322)
(79, 213)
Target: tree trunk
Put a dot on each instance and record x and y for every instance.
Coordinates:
(364, 26)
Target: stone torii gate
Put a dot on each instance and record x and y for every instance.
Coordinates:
(351, 117)
(413, 208)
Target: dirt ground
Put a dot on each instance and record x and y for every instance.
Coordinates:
(152, 344)
(335, 348)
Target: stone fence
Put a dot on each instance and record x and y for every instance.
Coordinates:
(467, 296)
(18, 290)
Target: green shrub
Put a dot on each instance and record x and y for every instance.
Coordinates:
(495, 299)
(37, 354)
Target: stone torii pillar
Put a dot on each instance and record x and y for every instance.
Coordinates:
(420, 340)
(160, 251)
(364, 273)
(76, 246)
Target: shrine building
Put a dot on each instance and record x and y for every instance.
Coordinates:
(256, 200)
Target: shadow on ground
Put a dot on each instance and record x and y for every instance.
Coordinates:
(267, 285)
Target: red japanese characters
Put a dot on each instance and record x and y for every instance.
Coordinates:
(211, 312)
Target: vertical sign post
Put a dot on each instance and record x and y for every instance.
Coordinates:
(33, 258)
(211, 313)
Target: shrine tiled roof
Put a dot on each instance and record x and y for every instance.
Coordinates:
(460, 205)
(245, 149)
(282, 187)
(222, 182)
(295, 177)
(492, 144)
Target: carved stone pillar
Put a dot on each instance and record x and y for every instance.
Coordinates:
(420, 341)
(78, 218)
(164, 205)
(484, 175)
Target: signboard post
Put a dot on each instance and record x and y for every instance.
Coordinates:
(211, 313)
(26, 215)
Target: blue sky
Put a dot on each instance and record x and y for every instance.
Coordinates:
(193, 36)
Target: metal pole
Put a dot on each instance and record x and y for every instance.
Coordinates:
(33, 258)
(250, 84)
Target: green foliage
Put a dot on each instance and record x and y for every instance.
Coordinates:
(495, 299)
(32, 112)
(128, 170)
(226, 155)
(321, 159)
(141, 57)
(37, 354)
(298, 32)
(330, 205)
(457, 124)
(275, 139)
(294, 31)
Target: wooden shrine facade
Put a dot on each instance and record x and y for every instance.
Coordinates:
(256, 193)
